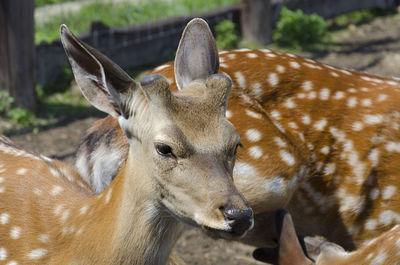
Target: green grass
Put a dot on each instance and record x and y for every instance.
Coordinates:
(123, 14)
(39, 3)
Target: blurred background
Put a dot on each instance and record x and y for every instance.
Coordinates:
(42, 109)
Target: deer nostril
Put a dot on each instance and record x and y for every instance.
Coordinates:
(240, 220)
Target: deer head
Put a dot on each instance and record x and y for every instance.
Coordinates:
(181, 143)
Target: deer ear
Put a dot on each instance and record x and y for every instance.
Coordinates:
(103, 83)
(197, 55)
(290, 250)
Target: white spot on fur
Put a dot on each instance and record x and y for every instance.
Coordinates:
(307, 85)
(255, 152)
(364, 89)
(312, 95)
(352, 102)
(306, 119)
(289, 103)
(301, 95)
(382, 97)
(279, 126)
(56, 190)
(287, 157)
(373, 156)
(391, 83)
(253, 135)
(228, 114)
(373, 119)
(366, 102)
(84, 209)
(37, 253)
(357, 126)
(244, 170)
(275, 186)
(293, 125)
(392, 147)
(349, 202)
(231, 56)
(329, 168)
(44, 238)
(253, 114)
(22, 171)
(65, 215)
(251, 55)
(294, 65)
(320, 125)
(276, 115)
(280, 69)
(325, 150)
(15, 232)
(352, 90)
(240, 79)
(4, 217)
(58, 209)
(388, 216)
(388, 192)
(339, 95)
(374, 194)
(324, 94)
(371, 224)
(279, 142)
(273, 79)
(334, 74)
(12, 262)
(257, 90)
(345, 72)
(3, 254)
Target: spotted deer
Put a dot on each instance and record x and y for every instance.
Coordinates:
(383, 250)
(178, 170)
(320, 141)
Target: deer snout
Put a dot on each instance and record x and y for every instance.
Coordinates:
(239, 218)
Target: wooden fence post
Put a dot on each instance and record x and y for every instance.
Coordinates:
(17, 51)
(257, 20)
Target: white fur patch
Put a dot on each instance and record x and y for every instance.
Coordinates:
(287, 157)
(388, 192)
(255, 152)
(240, 80)
(37, 253)
(244, 170)
(253, 135)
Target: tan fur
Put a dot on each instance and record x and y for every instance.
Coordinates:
(341, 129)
(174, 172)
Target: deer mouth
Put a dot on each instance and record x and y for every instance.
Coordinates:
(223, 233)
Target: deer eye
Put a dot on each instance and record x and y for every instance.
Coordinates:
(236, 148)
(164, 150)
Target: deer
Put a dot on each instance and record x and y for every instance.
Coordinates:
(178, 171)
(320, 141)
(383, 249)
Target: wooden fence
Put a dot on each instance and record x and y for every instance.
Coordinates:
(153, 43)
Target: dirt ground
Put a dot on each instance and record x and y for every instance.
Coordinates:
(372, 47)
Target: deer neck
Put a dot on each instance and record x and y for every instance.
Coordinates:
(130, 226)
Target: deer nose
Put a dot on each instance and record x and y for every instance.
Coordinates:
(240, 220)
